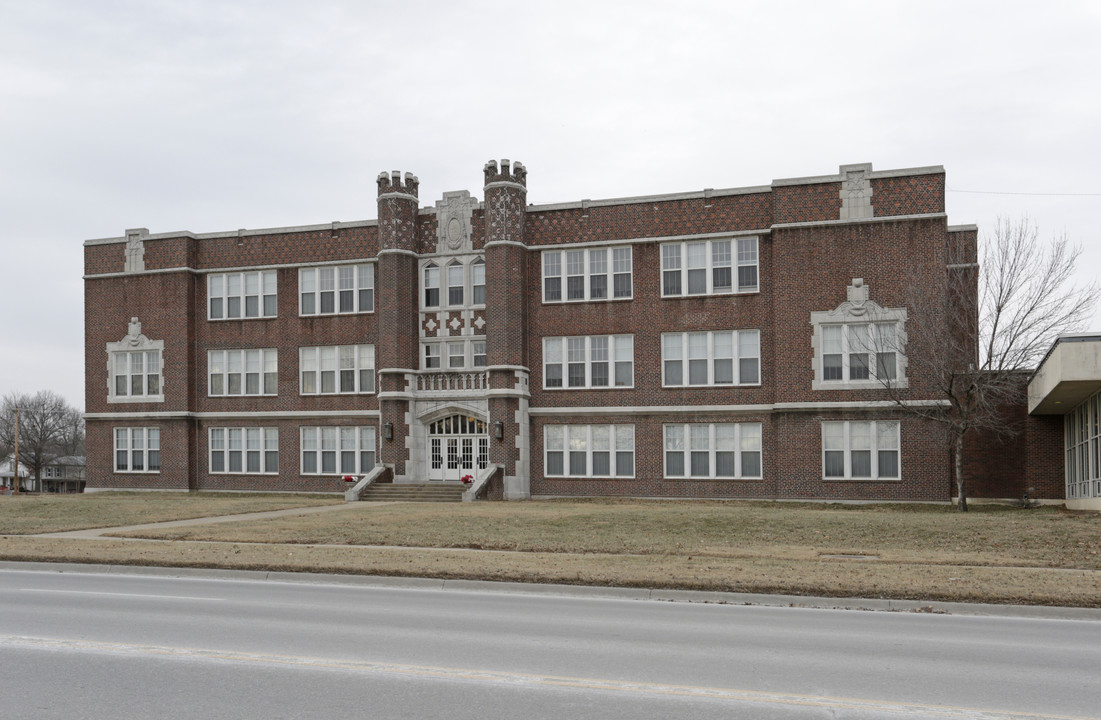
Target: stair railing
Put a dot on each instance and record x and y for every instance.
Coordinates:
(356, 492)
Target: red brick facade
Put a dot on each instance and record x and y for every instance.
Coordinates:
(814, 238)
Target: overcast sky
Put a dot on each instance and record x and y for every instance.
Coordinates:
(209, 115)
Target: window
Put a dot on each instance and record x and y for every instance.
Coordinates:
(590, 274)
(233, 296)
(731, 357)
(713, 451)
(136, 375)
(242, 372)
(338, 450)
(859, 351)
(455, 284)
(478, 282)
(854, 449)
(590, 362)
(137, 450)
(337, 369)
(707, 267)
(1082, 435)
(336, 290)
(431, 286)
(461, 354)
(589, 450)
(252, 450)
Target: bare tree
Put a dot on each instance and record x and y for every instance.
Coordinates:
(978, 343)
(48, 428)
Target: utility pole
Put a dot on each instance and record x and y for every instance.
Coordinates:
(15, 459)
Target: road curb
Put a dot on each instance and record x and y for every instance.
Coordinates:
(933, 607)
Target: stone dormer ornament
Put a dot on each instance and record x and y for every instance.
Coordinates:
(856, 192)
(134, 338)
(135, 250)
(453, 222)
(858, 296)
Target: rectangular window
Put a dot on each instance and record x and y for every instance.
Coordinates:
(478, 282)
(859, 351)
(454, 355)
(729, 357)
(455, 284)
(432, 286)
(340, 369)
(707, 267)
(586, 274)
(137, 450)
(233, 296)
(860, 449)
(241, 372)
(337, 450)
(596, 451)
(136, 375)
(252, 450)
(343, 289)
(713, 451)
(590, 362)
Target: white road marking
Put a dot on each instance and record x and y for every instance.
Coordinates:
(117, 594)
(903, 709)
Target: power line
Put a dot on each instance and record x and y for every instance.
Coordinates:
(994, 192)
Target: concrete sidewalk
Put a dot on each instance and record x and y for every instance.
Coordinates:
(101, 533)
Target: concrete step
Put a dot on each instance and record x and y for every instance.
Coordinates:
(414, 492)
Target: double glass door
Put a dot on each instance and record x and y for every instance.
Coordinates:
(457, 446)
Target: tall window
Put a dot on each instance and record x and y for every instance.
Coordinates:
(1082, 435)
(455, 284)
(731, 357)
(589, 362)
(854, 449)
(337, 369)
(432, 286)
(251, 450)
(718, 451)
(242, 295)
(136, 375)
(478, 282)
(336, 290)
(137, 450)
(338, 450)
(587, 274)
(589, 450)
(709, 267)
(242, 372)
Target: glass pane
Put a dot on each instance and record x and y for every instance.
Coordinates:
(835, 463)
(862, 463)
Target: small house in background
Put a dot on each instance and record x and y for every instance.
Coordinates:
(64, 475)
(7, 475)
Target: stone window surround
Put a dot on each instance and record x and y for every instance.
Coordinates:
(860, 310)
(134, 341)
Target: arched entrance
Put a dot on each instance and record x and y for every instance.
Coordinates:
(457, 445)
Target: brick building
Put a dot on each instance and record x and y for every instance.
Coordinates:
(707, 344)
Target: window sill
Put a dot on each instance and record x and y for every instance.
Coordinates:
(580, 301)
(861, 480)
(713, 479)
(238, 319)
(902, 384)
(600, 388)
(332, 314)
(583, 477)
(712, 385)
(133, 399)
(125, 472)
(756, 291)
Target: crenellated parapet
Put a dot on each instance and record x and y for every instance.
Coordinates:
(505, 201)
(392, 184)
(507, 172)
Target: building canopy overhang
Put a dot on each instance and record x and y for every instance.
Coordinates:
(1069, 374)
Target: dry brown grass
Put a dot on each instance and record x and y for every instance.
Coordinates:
(27, 514)
(992, 554)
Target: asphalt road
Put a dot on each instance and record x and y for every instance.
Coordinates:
(76, 645)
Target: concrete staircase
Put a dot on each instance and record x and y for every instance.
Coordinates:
(414, 492)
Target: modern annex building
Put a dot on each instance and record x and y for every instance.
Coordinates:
(706, 344)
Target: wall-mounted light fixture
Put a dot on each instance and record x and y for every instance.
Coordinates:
(388, 431)
(499, 430)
